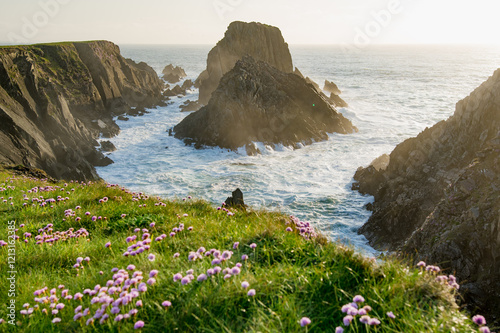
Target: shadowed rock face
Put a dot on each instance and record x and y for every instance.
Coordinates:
(257, 102)
(56, 99)
(438, 199)
(262, 42)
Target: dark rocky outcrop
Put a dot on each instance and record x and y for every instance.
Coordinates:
(332, 88)
(236, 200)
(438, 198)
(175, 91)
(337, 101)
(257, 102)
(262, 42)
(188, 106)
(173, 74)
(335, 92)
(107, 146)
(56, 99)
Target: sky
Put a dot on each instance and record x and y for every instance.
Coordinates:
(355, 22)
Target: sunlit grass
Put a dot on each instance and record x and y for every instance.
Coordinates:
(293, 277)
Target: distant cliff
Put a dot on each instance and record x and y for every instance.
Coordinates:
(56, 99)
(438, 199)
(257, 102)
(261, 41)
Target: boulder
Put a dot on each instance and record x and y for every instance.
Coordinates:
(107, 146)
(236, 200)
(262, 42)
(187, 85)
(173, 74)
(188, 106)
(257, 102)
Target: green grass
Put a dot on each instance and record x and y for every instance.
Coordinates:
(293, 277)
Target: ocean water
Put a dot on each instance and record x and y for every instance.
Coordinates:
(394, 92)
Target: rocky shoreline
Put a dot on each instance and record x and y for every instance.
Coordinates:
(57, 99)
(437, 196)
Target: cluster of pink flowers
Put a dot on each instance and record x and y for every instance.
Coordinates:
(448, 280)
(117, 301)
(354, 309)
(305, 229)
(48, 236)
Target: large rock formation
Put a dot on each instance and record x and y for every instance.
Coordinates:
(173, 74)
(438, 198)
(56, 99)
(262, 42)
(257, 102)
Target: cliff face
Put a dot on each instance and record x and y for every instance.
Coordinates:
(257, 102)
(56, 99)
(262, 42)
(438, 199)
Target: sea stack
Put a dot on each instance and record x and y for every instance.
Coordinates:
(438, 197)
(261, 41)
(258, 102)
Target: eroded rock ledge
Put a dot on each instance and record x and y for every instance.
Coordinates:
(56, 99)
(438, 198)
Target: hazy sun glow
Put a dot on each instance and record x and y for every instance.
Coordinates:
(204, 21)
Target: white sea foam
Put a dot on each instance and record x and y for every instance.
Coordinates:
(394, 93)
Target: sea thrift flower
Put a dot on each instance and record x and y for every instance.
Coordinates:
(479, 320)
(347, 320)
(201, 277)
(130, 267)
(251, 292)
(253, 245)
(138, 325)
(358, 299)
(484, 329)
(391, 315)
(235, 271)
(235, 245)
(119, 317)
(245, 284)
(153, 273)
(421, 264)
(108, 244)
(244, 257)
(166, 304)
(339, 329)
(373, 322)
(364, 319)
(289, 229)
(304, 321)
(56, 320)
(151, 281)
(151, 257)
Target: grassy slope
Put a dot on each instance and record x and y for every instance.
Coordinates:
(293, 277)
